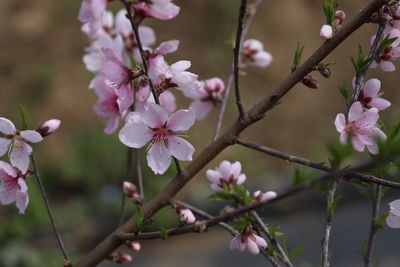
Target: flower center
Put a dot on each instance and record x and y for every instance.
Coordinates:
(160, 136)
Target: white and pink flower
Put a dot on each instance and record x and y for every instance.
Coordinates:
(159, 9)
(154, 125)
(247, 240)
(17, 144)
(206, 96)
(370, 95)
(390, 53)
(49, 127)
(91, 13)
(131, 191)
(393, 219)
(133, 245)
(361, 126)
(226, 174)
(260, 196)
(255, 55)
(13, 187)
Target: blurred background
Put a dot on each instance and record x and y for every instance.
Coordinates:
(41, 68)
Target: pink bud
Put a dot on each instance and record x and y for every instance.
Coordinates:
(339, 17)
(264, 196)
(49, 127)
(121, 257)
(131, 191)
(133, 245)
(186, 216)
(310, 81)
(326, 31)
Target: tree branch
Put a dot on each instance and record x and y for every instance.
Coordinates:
(103, 249)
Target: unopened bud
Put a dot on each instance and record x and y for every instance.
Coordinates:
(339, 17)
(260, 196)
(310, 81)
(49, 127)
(324, 70)
(131, 191)
(120, 257)
(326, 31)
(133, 245)
(186, 216)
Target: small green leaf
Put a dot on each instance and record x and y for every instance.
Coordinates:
(295, 253)
(241, 224)
(24, 116)
(164, 233)
(332, 204)
(139, 219)
(344, 92)
(221, 196)
(298, 54)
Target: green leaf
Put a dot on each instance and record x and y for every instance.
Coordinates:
(221, 196)
(241, 224)
(332, 204)
(301, 176)
(139, 223)
(344, 92)
(330, 8)
(24, 116)
(295, 253)
(298, 54)
(243, 196)
(164, 233)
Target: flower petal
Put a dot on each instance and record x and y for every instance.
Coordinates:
(372, 88)
(158, 158)
(340, 122)
(7, 127)
(379, 103)
(355, 111)
(213, 176)
(135, 135)
(181, 120)
(4, 145)
(395, 207)
(393, 221)
(357, 144)
(180, 148)
(19, 156)
(155, 116)
(31, 136)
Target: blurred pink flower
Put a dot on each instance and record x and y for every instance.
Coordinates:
(254, 54)
(91, 13)
(393, 219)
(260, 196)
(186, 216)
(159, 9)
(370, 96)
(247, 240)
(226, 173)
(49, 127)
(326, 31)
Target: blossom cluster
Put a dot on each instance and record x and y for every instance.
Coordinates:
(17, 145)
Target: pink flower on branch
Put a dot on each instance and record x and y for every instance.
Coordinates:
(370, 95)
(260, 196)
(254, 54)
(49, 127)
(91, 13)
(186, 216)
(206, 96)
(226, 174)
(247, 240)
(154, 125)
(131, 191)
(13, 187)
(362, 128)
(17, 144)
(393, 219)
(159, 9)
(389, 54)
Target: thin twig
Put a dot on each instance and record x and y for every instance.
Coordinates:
(252, 10)
(284, 257)
(372, 55)
(162, 199)
(130, 17)
(315, 165)
(328, 222)
(236, 53)
(67, 262)
(128, 176)
(376, 201)
(139, 175)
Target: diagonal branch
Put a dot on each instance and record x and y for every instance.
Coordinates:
(103, 249)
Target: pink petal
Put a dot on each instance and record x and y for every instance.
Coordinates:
(253, 44)
(180, 148)
(355, 111)
(378, 133)
(181, 120)
(387, 66)
(179, 67)
(395, 207)
(340, 122)
(393, 221)
(8, 169)
(202, 108)
(372, 88)
(213, 176)
(373, 149)
(147, 35)
(252, 247)
(158, 158)
(155, 116)
(164, 9)
(167, 100)
(370, 116)
(19, 156)
(7, 127)
(4, 145)
(8, 196)
(379, 103)
(112, 124)
(344, 137)
(236, 168)
(184, 79)
(357, 144)
(260, 241)
(22, 198)
(157, 67)
(135, 135)
(167, 47)
(216, 187)
(225, 169)
(262, 59)
(326, 31)
(31, 136)
(241, 179)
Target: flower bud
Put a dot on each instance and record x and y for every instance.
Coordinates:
(339, 17)
(133, 245)
(120, 257)
(324, 70)
(186, 216)
(326, 32)
(310, 81)
(49, 127)
(260, 196)
(131, 191)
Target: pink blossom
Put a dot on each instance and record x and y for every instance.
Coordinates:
(226, 173)
(131, 191)
(115, 70)
(260, 196)
(362, 128)
(391, 53)
(133, 245)
(206, 96)
(154, 125)
(393, 219)
(186, 216)
(340, 16)
(247, 240)
(17, 143)
(254, 54)
(159, 9)
(370, 95)
(13, 187)
(49, 127)
(91, 13)
(113, 102)
(326, 32)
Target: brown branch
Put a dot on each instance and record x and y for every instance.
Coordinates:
(67, 262)
(376, 201)
(316, 165)
(236, 52)
(252, 10)
(103, 249)
(135, 29)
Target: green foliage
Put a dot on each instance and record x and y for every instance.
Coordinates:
(298, 54)
(139, 216)
(301, 176)
(24, 116)
(164, 233)
(330, 8)
(274, 230)
(344, 91)
(361, 62)
(294, 253)
(242, 223)
(242, 195)
(221, 196)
